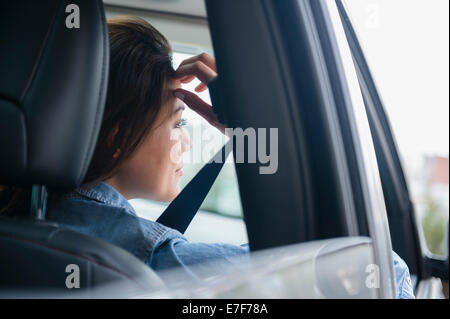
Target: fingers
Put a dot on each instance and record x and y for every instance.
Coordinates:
(198, 69)
(195, 103)
(187, 79)
(203, 57)
(201, 87)
(202, 66)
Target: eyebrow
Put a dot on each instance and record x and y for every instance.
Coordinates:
(180, 108)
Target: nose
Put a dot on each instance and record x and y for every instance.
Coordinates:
(186, 142)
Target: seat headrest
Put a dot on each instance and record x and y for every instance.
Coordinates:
(53, 83)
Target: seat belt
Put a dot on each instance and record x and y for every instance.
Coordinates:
(182, 209)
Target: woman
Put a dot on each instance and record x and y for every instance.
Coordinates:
(139, 152)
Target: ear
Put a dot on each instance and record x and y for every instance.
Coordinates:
(112, 135)
(116, 154)
(110, 140)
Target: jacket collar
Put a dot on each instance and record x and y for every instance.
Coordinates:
(104, 193)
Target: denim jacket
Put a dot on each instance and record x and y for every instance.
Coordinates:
(101, 211)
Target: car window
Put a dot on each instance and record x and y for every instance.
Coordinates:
(409, 62)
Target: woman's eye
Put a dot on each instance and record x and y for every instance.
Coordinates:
(181, 123)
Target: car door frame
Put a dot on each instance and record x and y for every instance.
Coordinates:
(406, 231)
(327, 81)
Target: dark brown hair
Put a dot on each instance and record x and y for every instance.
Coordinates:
(139, 73)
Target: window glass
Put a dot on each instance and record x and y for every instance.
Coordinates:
(406, 44)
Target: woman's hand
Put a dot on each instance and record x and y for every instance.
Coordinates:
(202, 67)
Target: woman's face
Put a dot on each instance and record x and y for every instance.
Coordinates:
(155, 168)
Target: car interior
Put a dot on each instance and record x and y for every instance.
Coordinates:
(338, 194)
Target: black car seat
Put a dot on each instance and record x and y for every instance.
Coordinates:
(53, 82)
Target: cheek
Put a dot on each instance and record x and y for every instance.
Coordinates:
(152, 169)
(176, 147)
